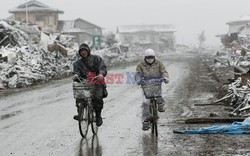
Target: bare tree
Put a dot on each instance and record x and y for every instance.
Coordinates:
(201, 38)
(109, 39)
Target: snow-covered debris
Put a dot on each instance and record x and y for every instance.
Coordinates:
(28, 61)
(33, 65)
(132, 55)
(11, 35)
(29, 56)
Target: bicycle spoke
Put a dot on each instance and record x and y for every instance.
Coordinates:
(83, 122)
(93, 124)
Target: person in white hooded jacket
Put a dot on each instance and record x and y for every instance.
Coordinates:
(150, 68)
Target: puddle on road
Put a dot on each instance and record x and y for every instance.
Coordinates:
(203, 96)
(9, 115)
(149, 144)
(90, 146)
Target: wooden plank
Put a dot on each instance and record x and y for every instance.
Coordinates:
(210, 104)
(4, 59)
(239, 69)
(214, 120)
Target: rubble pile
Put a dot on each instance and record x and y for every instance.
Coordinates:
(25, 60)
(232, 65)
(237, 53)
(11, 36)
(112, 58)
(238, 96)
(233, 84)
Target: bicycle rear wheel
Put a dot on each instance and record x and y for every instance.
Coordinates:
(94, 128)
(83, 120)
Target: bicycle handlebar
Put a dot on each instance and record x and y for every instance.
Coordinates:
(143, 81)
(81, 80)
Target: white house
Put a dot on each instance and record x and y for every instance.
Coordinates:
(237, 25)
(154, 36)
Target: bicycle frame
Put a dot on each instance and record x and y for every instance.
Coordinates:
(86, 113)
(86, 106)
(153, 109)
(154, 112)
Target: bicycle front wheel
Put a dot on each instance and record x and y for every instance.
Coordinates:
(83, 120)
(154, 111)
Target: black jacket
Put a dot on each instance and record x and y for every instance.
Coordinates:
(93, 63)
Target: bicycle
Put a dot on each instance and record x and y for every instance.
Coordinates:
(83, 92)
(152, 91)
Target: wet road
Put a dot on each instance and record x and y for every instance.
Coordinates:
(39, 121)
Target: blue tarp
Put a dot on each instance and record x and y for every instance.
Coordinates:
(235, 128)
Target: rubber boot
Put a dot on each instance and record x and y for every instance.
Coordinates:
(76, 117)
(161, 108)
(145, 125)
(98, 118)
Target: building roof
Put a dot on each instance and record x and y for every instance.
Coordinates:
(242, 19)
(143, 28)
(80, 19)
(34, 6)
(220, 35)
(68, 26)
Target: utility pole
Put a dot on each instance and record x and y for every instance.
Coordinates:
(26, 12)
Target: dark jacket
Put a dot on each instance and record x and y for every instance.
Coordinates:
(94, 64)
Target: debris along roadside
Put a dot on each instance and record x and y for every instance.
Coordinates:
(212, 111)
(25, 60)
(233, 92)
(237, 87)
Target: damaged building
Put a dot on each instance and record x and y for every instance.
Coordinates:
(82, 30)
(238, 31)
(158, 37)
(37, 13)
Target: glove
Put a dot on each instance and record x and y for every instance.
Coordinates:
(75, 77)
(138, 82)
(100, 77)
(166, 80)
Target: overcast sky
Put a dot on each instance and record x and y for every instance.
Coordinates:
(189, 16)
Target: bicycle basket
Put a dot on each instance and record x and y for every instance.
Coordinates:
(151, 90)
(83, 90)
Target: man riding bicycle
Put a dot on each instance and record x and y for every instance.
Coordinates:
(151, 68)
(88, 66)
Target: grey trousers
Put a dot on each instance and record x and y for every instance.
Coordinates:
(145, 106)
